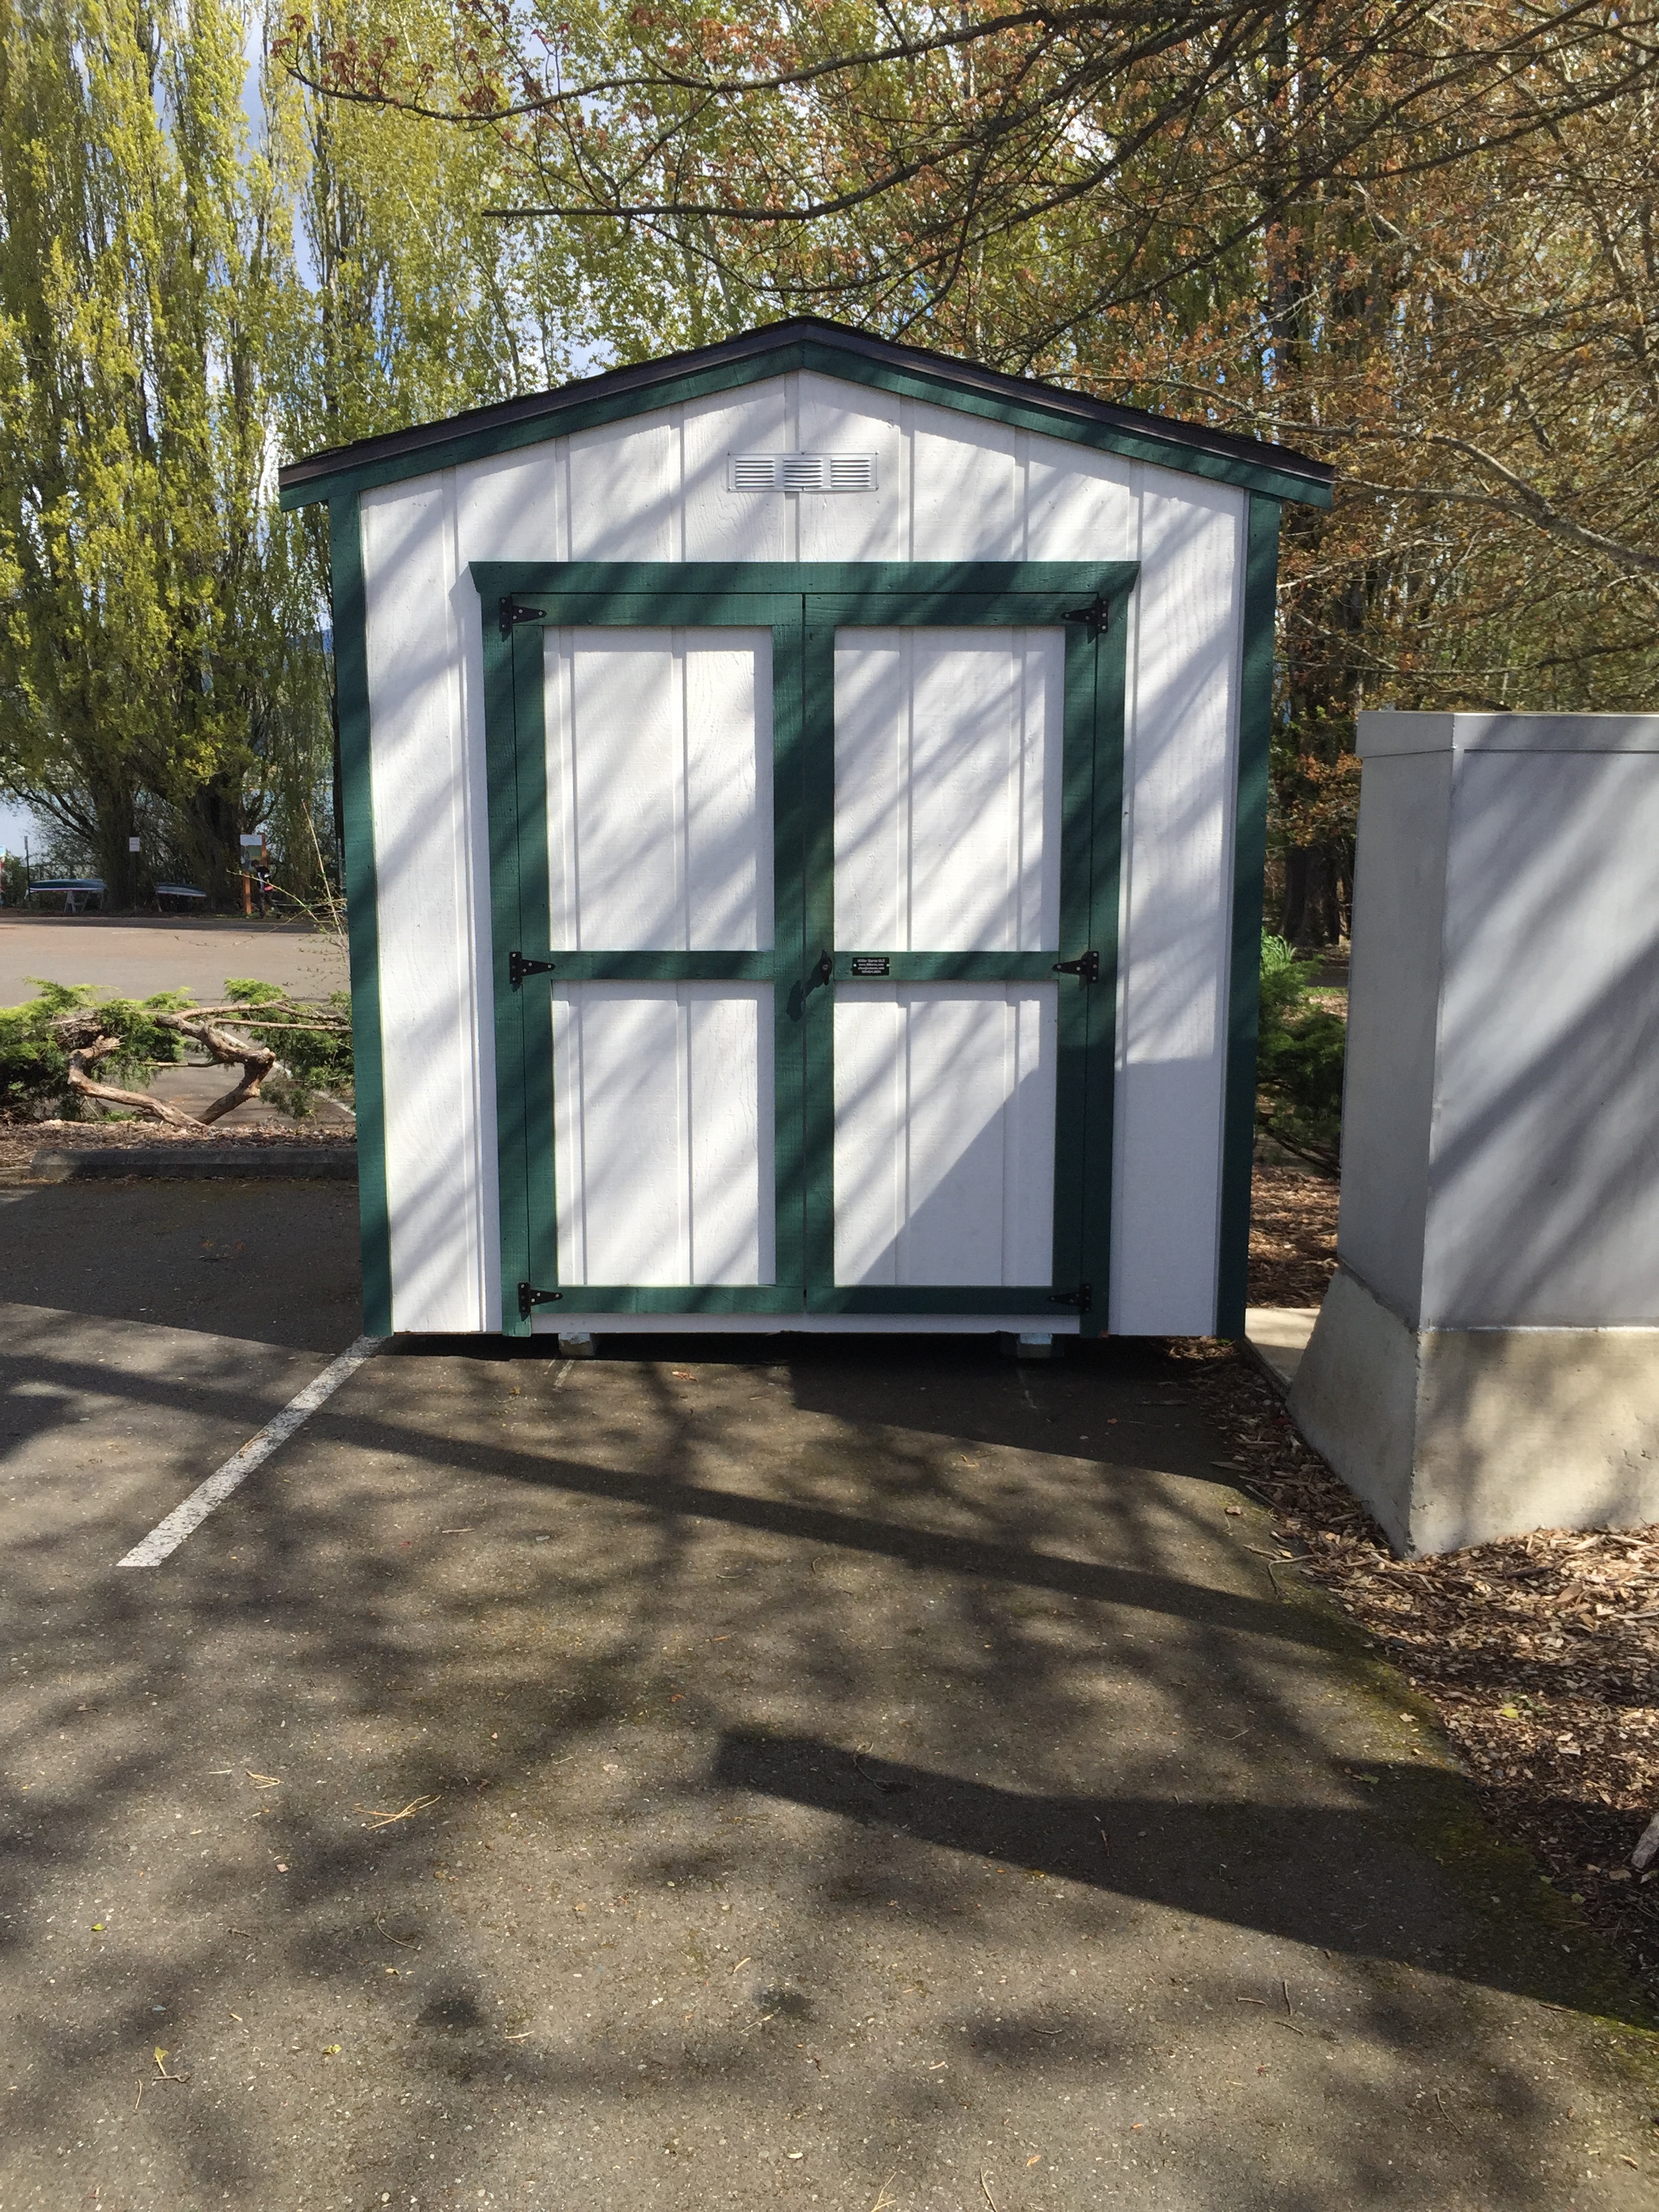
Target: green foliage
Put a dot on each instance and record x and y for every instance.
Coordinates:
(34, 1066)
(1298, 1060)
(311, 1061)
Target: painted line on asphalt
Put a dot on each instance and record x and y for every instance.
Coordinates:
(166, 1536)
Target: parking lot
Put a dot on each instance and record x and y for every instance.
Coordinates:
(843, 1773)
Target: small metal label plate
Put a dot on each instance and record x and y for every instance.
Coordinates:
(870, 963)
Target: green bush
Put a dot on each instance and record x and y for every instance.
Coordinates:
(1298, 1060)
(311, 1061)
(34, 1067)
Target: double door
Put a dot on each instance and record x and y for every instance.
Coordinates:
(804, 901)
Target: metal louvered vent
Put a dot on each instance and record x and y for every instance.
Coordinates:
(801, 472)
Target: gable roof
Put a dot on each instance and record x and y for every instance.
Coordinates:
(808, 342)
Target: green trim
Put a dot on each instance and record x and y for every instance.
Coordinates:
(934, 388)
(1100, 1000)
(656, 967)
(1255, 713)
(362, 911)
(512, 1105)
(623, 592)
(817, 1005)
(789, 936)
(1076, 859)
(678, 1297)
(949, 967)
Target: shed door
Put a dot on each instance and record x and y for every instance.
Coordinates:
(795, 881)
(945, 1030)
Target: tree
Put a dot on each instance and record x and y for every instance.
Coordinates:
(142, 261)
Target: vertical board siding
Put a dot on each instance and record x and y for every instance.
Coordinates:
(844, 418)
(944, 1133)
(659, 789)
(1179, 789)
(949, 487)
(948, 789)
(663, 1106)
(429, 838)
(727, 526)
(965, 488)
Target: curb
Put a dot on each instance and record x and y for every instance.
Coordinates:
(190, 1163)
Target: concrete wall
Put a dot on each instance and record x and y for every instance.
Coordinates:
(1488, 1359)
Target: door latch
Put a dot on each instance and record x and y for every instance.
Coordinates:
(1082, 1297)
(1086, 967)
(823, 973)
(517, 968)
(530, 1297)
(513, 612)
(1094, 618)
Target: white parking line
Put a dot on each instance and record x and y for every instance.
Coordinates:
(166, 1535)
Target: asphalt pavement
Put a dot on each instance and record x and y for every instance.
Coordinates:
(134, 955)
(817, 1773)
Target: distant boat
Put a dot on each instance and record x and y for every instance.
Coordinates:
(77, 890)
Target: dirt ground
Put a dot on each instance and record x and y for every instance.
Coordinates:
(1292, 1237)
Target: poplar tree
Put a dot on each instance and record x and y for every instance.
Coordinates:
(142, 257)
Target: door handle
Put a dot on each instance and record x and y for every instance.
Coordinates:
(823, 973)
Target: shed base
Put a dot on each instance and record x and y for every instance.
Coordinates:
(1460, 1436)
(567, 1323)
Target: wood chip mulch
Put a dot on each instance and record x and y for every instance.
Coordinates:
(1540, 1655)
(1292, 1237)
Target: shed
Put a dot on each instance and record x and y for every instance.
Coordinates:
(804, 820)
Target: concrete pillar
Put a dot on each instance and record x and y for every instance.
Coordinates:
(1486, 1360)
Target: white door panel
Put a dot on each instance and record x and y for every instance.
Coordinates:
(944, 1133)
(659, 789)
(664, 1128)
(947, 788)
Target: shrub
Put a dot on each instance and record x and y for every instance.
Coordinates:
(34, 1065)
(1298, 1060)
(310, 1061)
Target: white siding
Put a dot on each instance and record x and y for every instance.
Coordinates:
(431, 838)
(1180, 792)
(951, 487)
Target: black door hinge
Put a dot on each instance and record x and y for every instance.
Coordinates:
(1085, 968)
(529, 1297)
(517, 968)
(1082, 1297)
(1095, 617)
(513, 613)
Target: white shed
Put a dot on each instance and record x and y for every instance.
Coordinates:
(803, 830)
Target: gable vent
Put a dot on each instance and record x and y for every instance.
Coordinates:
(801, 472)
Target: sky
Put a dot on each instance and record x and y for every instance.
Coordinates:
(16, 823)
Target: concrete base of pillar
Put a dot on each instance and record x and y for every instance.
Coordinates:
(1456, 1436)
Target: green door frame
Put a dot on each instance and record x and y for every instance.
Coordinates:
(804, 604)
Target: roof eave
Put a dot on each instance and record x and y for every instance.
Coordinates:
(777, 349)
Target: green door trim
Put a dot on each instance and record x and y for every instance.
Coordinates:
(519, 601)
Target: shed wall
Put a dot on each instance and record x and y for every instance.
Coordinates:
(950, 488)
